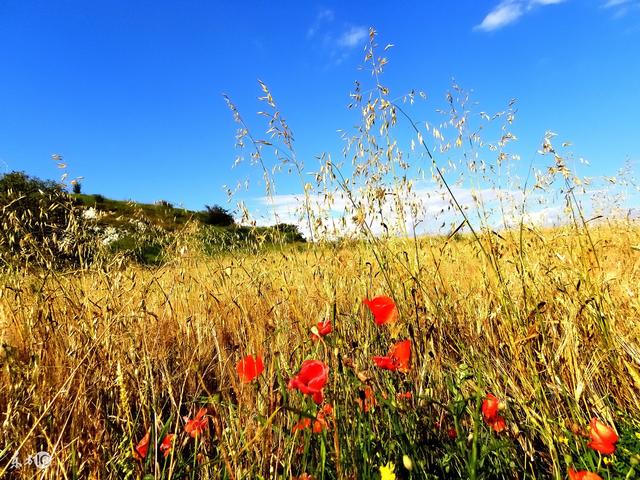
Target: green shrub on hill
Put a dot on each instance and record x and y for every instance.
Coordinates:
(40, 224)
(216, 215)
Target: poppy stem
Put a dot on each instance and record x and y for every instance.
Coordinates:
(324, 347)
(473, 459)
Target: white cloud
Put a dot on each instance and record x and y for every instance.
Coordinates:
(352, 37)
(436, 213)
(509, 11)
(496, 208)
(621, 7)
(615, 3)
(545, 217)
(504, 14)
(335, 39)
(545, 2)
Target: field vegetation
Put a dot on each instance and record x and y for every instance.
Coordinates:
(498, 347)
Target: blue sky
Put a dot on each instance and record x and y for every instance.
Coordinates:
(130, 93)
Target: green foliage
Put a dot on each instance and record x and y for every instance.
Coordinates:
(21, 193)
(288, 232)
(236, 238)
(216, 215)
(40, 225)
(143, 250)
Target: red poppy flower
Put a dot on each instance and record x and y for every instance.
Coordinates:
(302, 424)
(324, 328)
(198, 424)
(398, 358)
(249, 368)
(383, 308)
(167, 444)
(404, 396)
(304, 476)
(603, 438)
(319, 424)
(497, 423)
(490, 407)
(311, 379)
(141, 449)
(583, 475)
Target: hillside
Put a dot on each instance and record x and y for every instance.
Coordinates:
(46, 226)
(118, 213)
(144, 230)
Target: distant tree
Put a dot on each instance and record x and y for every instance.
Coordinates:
(290, 232)
(216, 215)
(77, 187)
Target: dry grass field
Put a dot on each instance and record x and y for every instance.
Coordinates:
(93, 359)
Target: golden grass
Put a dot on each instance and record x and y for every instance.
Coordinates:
(92, 358)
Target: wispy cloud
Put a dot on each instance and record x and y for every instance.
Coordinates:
(509, 11)
(352, 37)
(323, 17)
(616, 3)
(335, 39)
(621, 7)
(503, 14)
(436, 212)
(546, 2)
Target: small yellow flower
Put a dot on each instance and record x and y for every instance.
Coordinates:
(563, 439)
(609, 460)
(387, 472)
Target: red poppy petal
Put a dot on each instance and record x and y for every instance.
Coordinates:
(249, 368)
(401, 354)
(324, 327)
(583, 475)
(141, 449)
(311, 379)
(385, 363)
(603, 447)
(498, 424)
(603, 438)
(601, 431)
(318, 397)
(383, 309)
(490, 407)
(302, 424)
